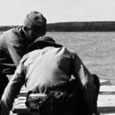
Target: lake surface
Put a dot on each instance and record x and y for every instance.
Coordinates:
(96, 49)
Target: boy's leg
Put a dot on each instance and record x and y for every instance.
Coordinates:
(3, 83)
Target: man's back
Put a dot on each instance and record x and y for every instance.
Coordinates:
(47, 68)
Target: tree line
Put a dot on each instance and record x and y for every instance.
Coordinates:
(75, 26)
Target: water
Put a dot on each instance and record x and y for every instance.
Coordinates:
(96, 49)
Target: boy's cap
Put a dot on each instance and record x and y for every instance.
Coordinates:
(35, 19)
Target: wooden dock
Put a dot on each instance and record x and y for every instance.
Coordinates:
(106, 100)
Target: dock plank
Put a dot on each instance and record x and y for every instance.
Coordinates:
(106, 100)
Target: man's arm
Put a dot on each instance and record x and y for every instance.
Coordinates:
(83, 75)
(12, 90)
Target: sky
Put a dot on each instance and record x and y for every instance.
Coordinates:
(13, 12)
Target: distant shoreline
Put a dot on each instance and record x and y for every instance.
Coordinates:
(75, 26)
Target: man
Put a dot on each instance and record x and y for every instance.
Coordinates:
(13, 44)
(58, 76)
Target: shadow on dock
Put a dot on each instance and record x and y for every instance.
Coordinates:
(106, 110)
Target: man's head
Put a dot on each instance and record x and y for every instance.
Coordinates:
(35, 24)
(43, 42)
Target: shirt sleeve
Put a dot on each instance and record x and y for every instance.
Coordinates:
(12, 90)
(16, 51)
(14, 45)
(84, 77)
